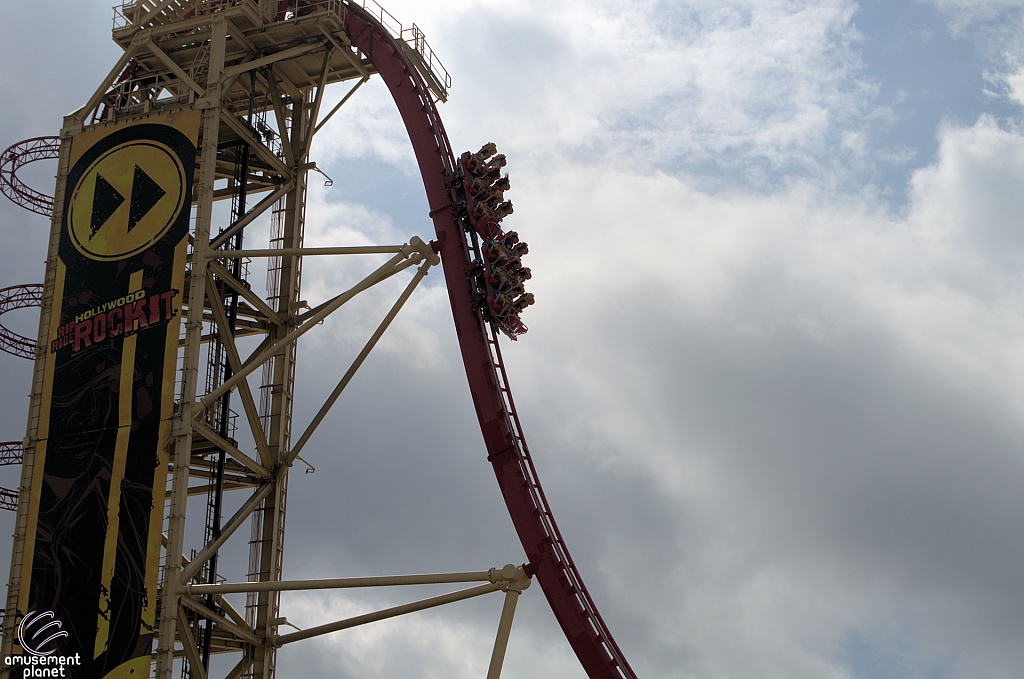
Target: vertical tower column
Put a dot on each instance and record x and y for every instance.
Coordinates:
(185, 414)
(281, 386)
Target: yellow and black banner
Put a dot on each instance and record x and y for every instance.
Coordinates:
(93, 542)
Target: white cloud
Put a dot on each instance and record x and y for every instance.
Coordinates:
(1015, 82)
(781, 372)
(769, 421)
(701, 83)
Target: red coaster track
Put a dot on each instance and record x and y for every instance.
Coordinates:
(10, 453)
(506, 446)
(16, 297)
(507, 451)
(23, 153)
(19, 297)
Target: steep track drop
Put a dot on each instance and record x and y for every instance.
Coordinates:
(492, 397)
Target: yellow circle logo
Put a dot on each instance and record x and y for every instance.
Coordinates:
(126, 200)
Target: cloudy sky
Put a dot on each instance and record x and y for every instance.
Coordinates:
(774, 378)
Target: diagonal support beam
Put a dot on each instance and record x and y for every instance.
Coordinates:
(345, 49)
(237, 617)
(177, 70)
(228, 341)
(232, 450)
(432, 602)
(238, 69)
(239, 631)
(189, 642)
(340, 104)
(243, 665)
(237, 34)
(282, 120)
(392, 266)
(152, 14)
(508, 611)
(314, 114)
(357, 363)
(250, 216)
(256, 144)
(225, 532)
(104, 87)
(245, 292)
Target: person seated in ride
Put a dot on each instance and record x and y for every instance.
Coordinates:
(501, 185)
(496, 213)
(480, 187)
(503, 210)
(525, 300)
(506, 304)
(497, 273)
(482, 213)
(496, 253)
(485, 152)
(491, 174)
(510, 239)
(519, 250)
(501, 280)
(515, 290)
(488, 185)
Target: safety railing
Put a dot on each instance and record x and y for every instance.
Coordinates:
(132, 12)
(413, 37)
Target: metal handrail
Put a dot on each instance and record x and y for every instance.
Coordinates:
(129, 13)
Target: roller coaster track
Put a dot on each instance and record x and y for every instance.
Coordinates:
(10, 453)
(508, 453)
(492, 397)
(16, 297)
(19, 297)
(23, 153)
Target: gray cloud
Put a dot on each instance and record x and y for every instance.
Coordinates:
(779, 425)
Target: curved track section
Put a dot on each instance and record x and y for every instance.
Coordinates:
(19, 297)
(11, 452)
(508, 453)
(23, 153)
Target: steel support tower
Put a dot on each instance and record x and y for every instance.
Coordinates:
(258, 71)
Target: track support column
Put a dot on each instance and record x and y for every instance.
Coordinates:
(182, 426)
(517, 582)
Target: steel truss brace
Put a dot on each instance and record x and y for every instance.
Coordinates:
(228, 341)
(416, 252)
(251, 215)
(175, 69)
(510, 579)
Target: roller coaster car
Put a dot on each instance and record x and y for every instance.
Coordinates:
(500, 275)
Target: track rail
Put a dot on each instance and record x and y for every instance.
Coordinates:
(506, 446)
(23, 153)
(11, 452)
(19, 297)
